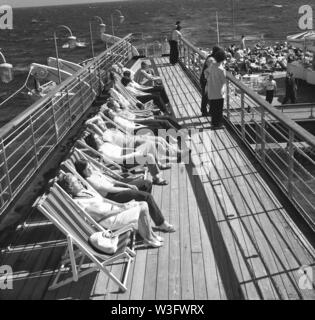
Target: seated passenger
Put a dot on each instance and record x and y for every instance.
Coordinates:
(115, 136)
(145, 75)
(144, 96)
(168, 123)
(127, 157)
(121, 193)
(133, 125)
(111, 216)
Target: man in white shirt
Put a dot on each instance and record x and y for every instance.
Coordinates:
(175, 36)
(145, 75)
(216, 82)
(271, 89)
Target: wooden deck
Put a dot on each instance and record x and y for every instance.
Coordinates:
(234, 239)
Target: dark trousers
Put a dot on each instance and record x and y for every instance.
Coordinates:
(173, 51)
(204, 100)
(157, 100)
(160, 123)
(141, 184)
(269, 95)
(216, 110)
(289, 95)
(128, 195)
(158, 90)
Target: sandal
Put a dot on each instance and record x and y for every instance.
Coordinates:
(160, 182)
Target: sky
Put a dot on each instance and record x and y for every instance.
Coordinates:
(35, 3)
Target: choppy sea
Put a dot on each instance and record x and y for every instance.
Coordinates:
(31, 39)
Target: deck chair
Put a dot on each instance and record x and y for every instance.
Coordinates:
(78, 226)
(122, 171)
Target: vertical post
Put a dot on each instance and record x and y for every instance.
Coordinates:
(291, 163)
(81, 97)
(55, 123)
(228, 98)
(57, 57)
(34, 141)
(112, 21)
(263, 137)
(218, 32)
(242, 114)
(69, 106)
(91, 39)
(6, 168)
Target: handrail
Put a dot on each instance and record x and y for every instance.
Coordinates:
(8, 127)
(28, 140)
(283, 148)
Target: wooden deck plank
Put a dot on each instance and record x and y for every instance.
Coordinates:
(175, 214)
(162, 287)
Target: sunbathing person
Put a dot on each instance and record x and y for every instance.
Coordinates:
(110, 215)
(133, 126)
(115, 136)
(142, 95)
(157, 89)
(166, 121)
(117, 192)
(127, 157)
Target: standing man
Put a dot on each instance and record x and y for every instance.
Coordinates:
(243, 44)
(271, 88)
(216, 83)
(290, 89)
(175, 36)
(203, 82)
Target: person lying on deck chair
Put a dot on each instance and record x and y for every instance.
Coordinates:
(115, 191)
(127, 157)
(160, 146)
(144, 95)
(131, 125)
(162, 120)
(109, 215)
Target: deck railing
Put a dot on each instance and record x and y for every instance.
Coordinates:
(308, 109)
(28, 140)
(282, 147)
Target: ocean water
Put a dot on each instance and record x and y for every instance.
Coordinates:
(33, 42)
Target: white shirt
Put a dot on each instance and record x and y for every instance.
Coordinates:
(176, 35)
(216, 79)
(271, 85)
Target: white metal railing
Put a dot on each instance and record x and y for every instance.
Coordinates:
(282, 147)
(28, 140)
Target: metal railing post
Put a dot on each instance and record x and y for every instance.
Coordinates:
(55, 122)
(6, 168)
(242, 114)
(34, 141)
(228, 99)
(263, 137)
(291, 163)
(69, 106)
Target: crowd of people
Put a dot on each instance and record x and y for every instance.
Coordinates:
(123, 138)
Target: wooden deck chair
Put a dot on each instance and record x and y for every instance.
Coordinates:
(77, 154)
(135, 170)
(78, 226)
